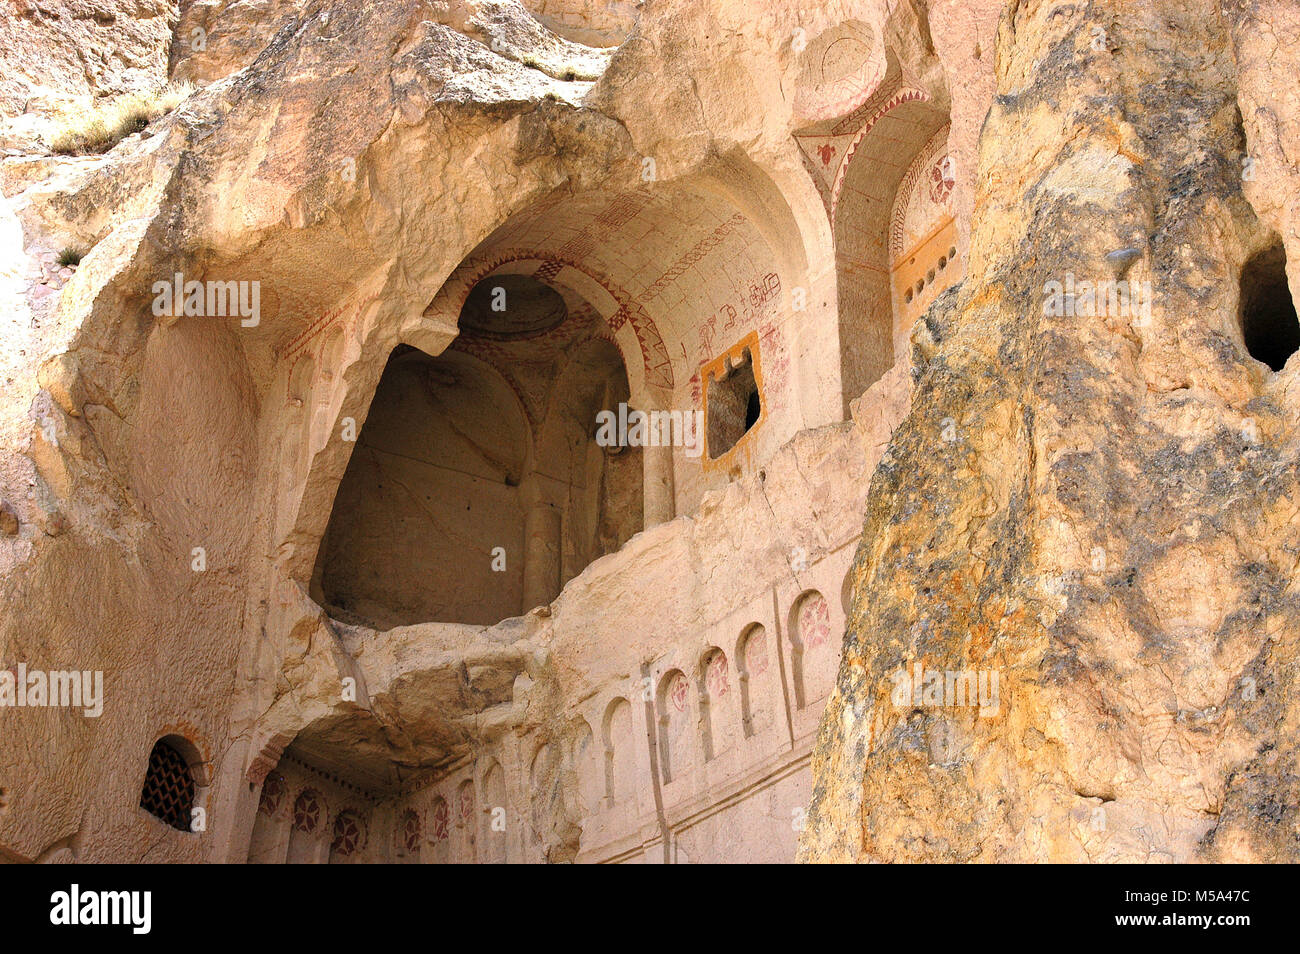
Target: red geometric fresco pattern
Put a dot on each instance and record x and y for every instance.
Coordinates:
(898, 98)
(411, 830)
(931, 157)
(306, 811)
(678, 692)
(692, 257)
(941, 180)
(441, 819)
(716, 675)
(349, 833)
(814, 621)
(272, 795)
(654, 353)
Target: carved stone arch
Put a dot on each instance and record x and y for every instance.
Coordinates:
(619, 759)
(615, 305)
(856, 148)
(673, 703)
(433, 484)
(300, 526)
(755, 667)
(813, 651)
(713, 686)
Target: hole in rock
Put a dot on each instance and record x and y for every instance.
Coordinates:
(476, 487)
(1268, 316)
(168, 792)
(734, 407)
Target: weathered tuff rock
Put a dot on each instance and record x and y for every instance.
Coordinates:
(845, 211)
(1113, 529)
(50, 51)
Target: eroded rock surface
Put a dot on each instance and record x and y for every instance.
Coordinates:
(1109, 522)
(355, 553)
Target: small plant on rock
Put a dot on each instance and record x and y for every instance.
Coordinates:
(104, 125)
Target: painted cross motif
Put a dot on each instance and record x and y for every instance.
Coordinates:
(756, 653)
(814, 621)
(272, 793)
(677, 692)
(716, 675)
(942, 180)
(411, 830)
(306, 811)
(347, 833)
(441, 819)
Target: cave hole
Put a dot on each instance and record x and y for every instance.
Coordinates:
(1268, 316)
(475, 488)
(734, 406)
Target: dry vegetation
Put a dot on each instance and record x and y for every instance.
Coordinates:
(105, 124)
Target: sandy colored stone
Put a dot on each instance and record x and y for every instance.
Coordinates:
(276, 539)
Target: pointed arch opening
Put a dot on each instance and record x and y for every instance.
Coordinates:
(477, 486)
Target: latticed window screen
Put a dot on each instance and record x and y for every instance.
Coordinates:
(168, 787)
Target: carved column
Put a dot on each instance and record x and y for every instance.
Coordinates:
(657, 501)
(541, 555)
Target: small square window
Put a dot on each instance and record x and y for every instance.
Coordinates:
(734, 405)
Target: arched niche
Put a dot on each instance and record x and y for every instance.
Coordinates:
(477, 486)
(496, 814)
(814, 648)
(428, 522)
(269, 843)
(875, 119)
(308, 832)
(466, 824)
(620, 759)
(675, 722)
(349, 834)
(440, 829)
(714, 686)
(758, 679)
(887, 180)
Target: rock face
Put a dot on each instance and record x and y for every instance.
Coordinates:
(1107, 522)
(320, 450)
(80, 47)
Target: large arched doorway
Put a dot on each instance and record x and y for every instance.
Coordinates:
(476, 488)
(877, 150)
